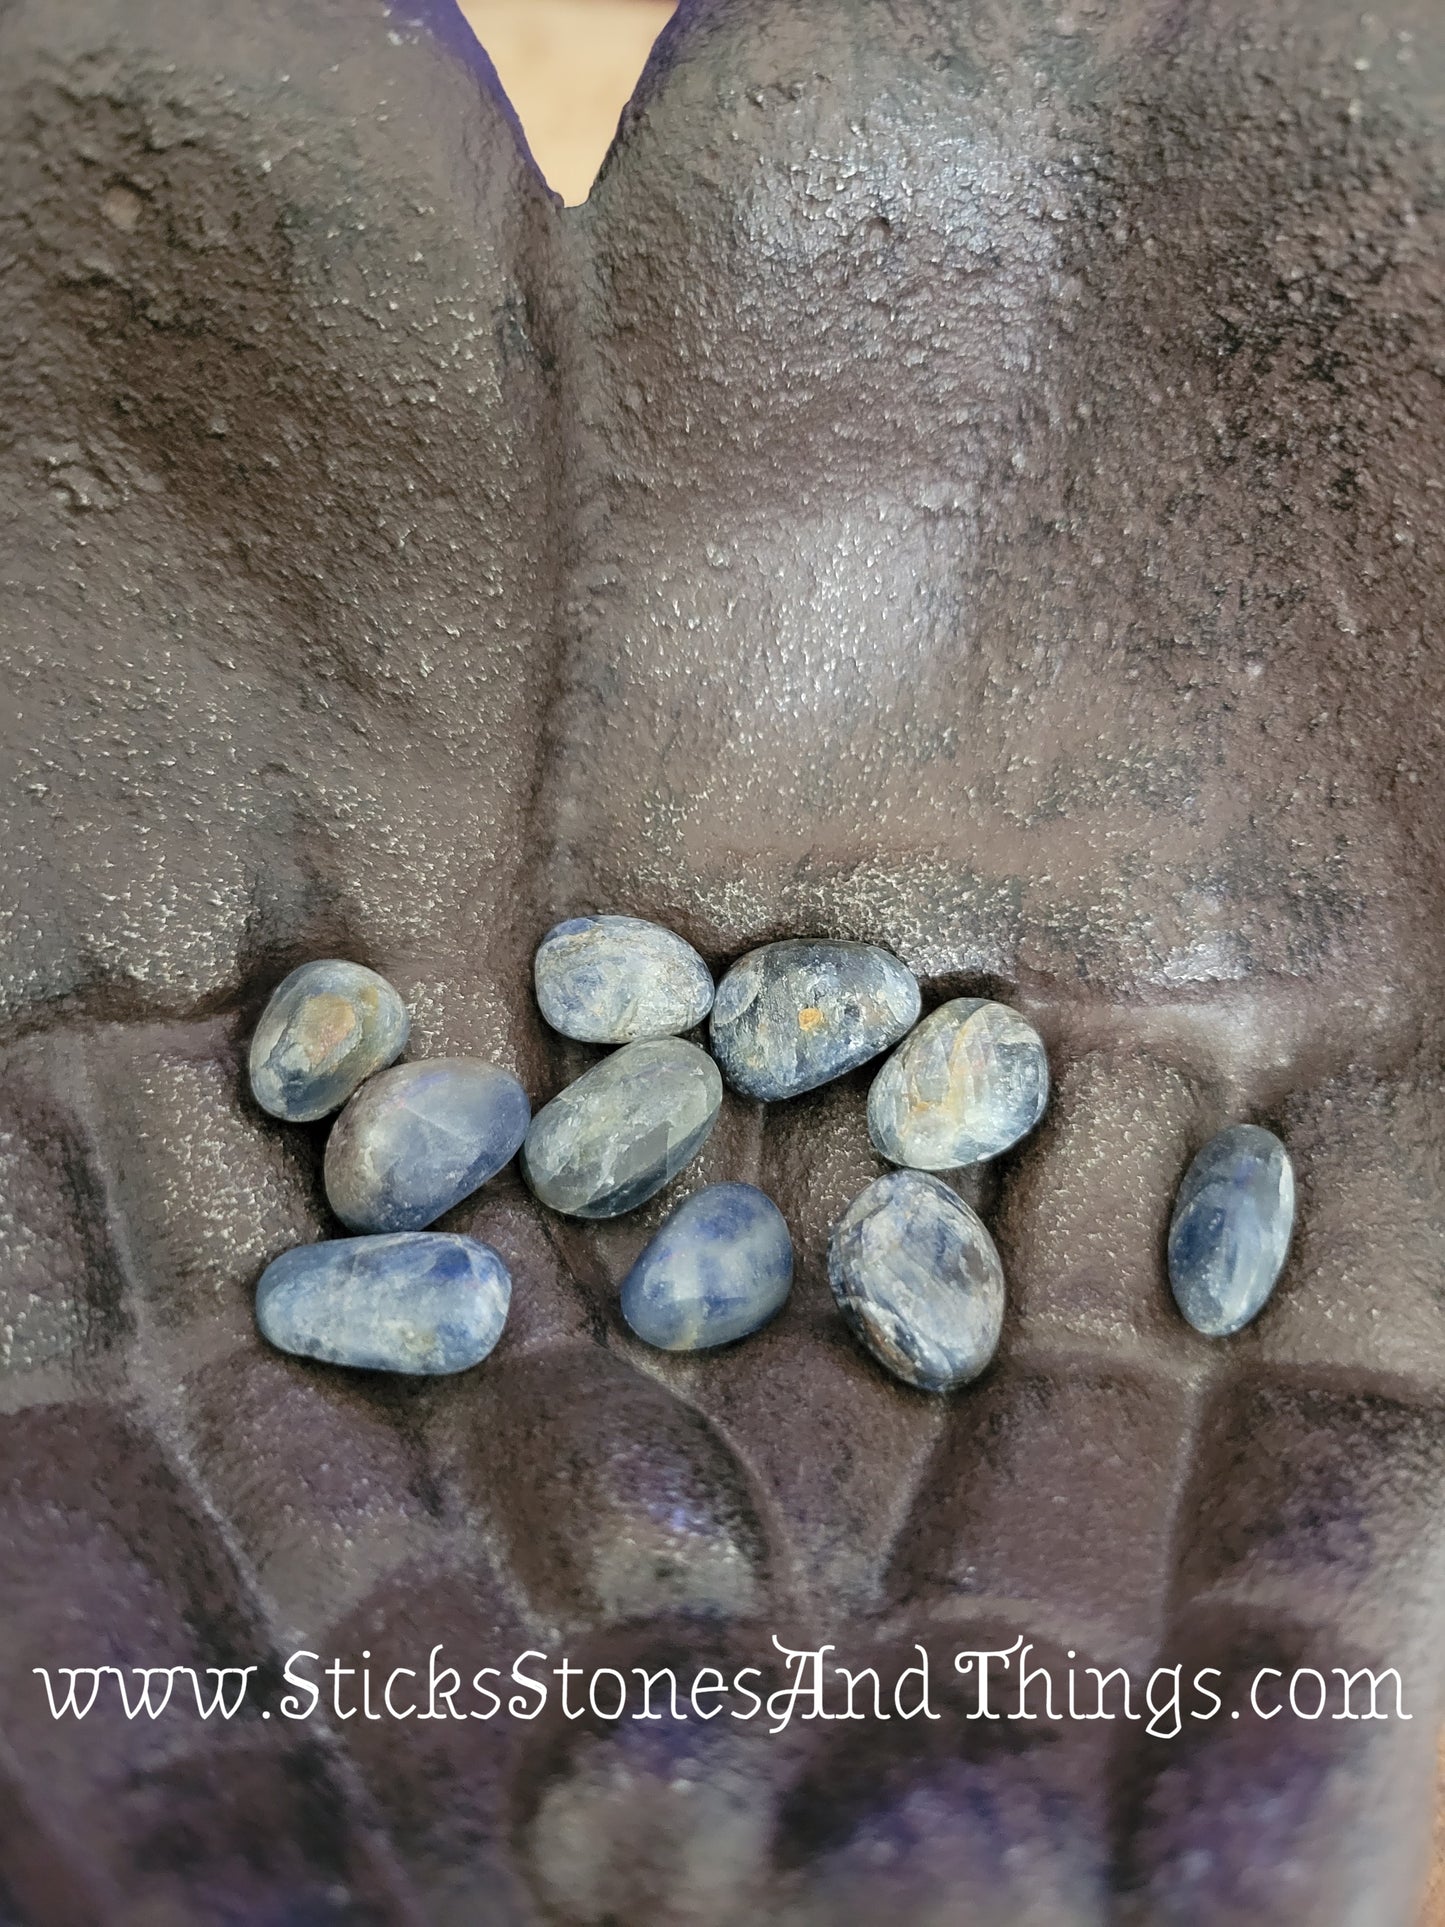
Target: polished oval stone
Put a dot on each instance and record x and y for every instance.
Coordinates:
(916, 1275)
(971, 1080)
(1231, 1229)
(421, 1302)
(797, 1014)
(328, 1025)
(418, 1139)
(720, 1266)
(617, 980)
(613, 1139)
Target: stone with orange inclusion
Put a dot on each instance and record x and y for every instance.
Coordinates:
(796, 1014)
(327, 1027)
(324, 1027)
(970, 1081)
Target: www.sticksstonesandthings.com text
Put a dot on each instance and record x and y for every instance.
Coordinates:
(789, 1684)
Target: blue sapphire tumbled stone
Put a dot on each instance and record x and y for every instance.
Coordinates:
(423, 1302)
(796, 1014)
(618, 980)
(720, 1266)
(969, 1082)
(1231, 1228)
(917, 1276)
(327, 1027)
(419, 1138)
(613, 1139)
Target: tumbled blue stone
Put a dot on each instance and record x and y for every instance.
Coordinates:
(797, 1014)
(418, 1139)
(423, 1302)
(617, 980)
(916, 1275)
(720, 1266)
(328, 1025)
(613, 1139)
(969, 1082)
(1231, 1229)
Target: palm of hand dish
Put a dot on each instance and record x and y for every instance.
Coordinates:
(971, 487)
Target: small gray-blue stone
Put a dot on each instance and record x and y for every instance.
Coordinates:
(328, 1026)
(916, 1275)
(418, 1139)
(968, 1083)
(720, 1266)
(613, 1139)
(1231, 1229)
(423, 1302)
(618, 980)
(796, 1014)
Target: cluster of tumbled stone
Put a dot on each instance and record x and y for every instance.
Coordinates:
(911, 1265)
(410, 1143)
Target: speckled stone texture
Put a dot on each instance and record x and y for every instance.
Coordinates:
(1230, 1232)
(425, 1303)
(967, 483)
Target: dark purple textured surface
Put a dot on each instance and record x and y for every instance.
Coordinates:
(969, 480)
